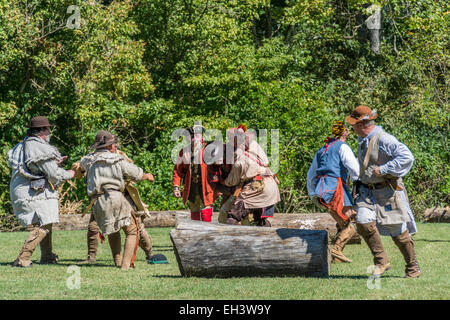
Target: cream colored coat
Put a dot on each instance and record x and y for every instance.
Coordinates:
(32, 206)
(247, 166)
(107, 170)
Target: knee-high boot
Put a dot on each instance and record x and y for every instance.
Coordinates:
(34, 238)
(344, 236)
(371, 236)
(405, 243)
(47, 255)
(116, 247)
(145, 241)
(92, 241)
(131, 244)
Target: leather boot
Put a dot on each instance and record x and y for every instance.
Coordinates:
(406, 245)
(344, 236)
(116, 247)
(34, 238)
(47, 255)
(131, 244)
(371, 236)
(145, 242)
(92, 242)
(231, 220)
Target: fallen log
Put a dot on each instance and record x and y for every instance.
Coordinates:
(437, 215)
(307, 221)
(218, 250)
(310, 221)
(313, 221)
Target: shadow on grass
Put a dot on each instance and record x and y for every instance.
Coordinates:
(163, 248)
(76, 262)
(360, 277)
(431, 240)
(63, 264)
(167, 276)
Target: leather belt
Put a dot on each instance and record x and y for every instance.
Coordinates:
(94, 199)
(379, 185)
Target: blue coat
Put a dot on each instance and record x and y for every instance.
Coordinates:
(329, 168)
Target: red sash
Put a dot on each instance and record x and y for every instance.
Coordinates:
(336, 203)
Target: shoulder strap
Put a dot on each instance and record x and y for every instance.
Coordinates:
(368, 152)
(24, 154)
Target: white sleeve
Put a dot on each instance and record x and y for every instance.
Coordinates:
(349, 161)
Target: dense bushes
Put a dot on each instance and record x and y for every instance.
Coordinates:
(144, 68)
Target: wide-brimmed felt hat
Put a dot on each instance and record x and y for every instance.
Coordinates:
(39, 122)
(361, 113)
(103, 139)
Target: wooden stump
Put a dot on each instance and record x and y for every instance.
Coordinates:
(218, 250)
(437, 215)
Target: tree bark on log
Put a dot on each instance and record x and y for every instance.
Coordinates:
(218, 250)
(307, 221)
(438, 215)
(310, 221)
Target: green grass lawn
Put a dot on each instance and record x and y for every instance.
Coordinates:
(104, 281)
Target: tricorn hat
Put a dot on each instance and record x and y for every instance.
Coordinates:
(360, 114)
(39, 122)
(103, 139)
(196, 129)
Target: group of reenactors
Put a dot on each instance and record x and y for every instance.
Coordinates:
(377, 205)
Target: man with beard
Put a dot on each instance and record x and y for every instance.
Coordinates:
(34, 195)
(382, 205)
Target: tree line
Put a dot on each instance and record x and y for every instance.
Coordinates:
(144, 68)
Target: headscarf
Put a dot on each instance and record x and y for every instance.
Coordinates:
(338, 128)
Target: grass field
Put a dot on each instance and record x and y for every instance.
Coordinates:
(104, 281)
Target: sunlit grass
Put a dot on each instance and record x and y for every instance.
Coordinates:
(104, 281)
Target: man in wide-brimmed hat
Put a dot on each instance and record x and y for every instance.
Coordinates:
(327, 182)
(107, 173)
(94, 233)
(382, 205)
(34, 195)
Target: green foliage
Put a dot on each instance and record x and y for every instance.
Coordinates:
(144, 68)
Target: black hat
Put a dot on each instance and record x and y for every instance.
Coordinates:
(158, 259)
